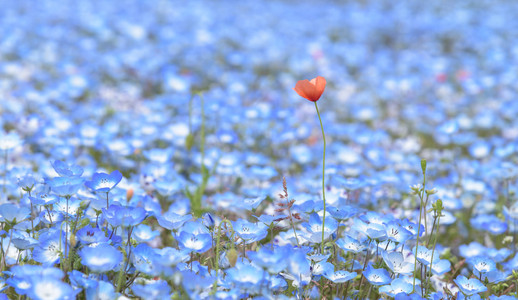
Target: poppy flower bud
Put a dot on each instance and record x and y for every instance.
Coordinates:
(232, 256)
(311, 89)
(129, 194)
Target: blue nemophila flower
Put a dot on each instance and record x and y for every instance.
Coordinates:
(146, 260)
(13, 214)
(9, 140)
(155, 289)
(469, 286)
(397, 264)
(171, 256)
(51, 217)
(26, 182)
(424, 255)
(412, 227)
(65, 186)
(511, 213)
(340, 276)
(397, 233)
(299, 269)
(208, 220)
(274, 260)
(314, 228)
(80, 280)
(172, 221)
(89, 235)
(103, 290)
(317, 257)
(144, 233)
(45, 288)
(495, 276)
(374, 231)
(490, 223)
(44, 198)
(68, 206)
(397, 286)
(347, 243)
(21, 276)
(200, 242)
(248, 231)
(246, 276)
(322, 267)
(482, 264)
(65, 170)
(125, 216)
(103, 182)
(251, 203)
(376, 276)
(22, 240)
(50, 248)
(343, 212)
(441, 266)
(101, 258)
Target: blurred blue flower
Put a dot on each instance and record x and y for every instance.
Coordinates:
(44, 288)
(397, 286)
(340, 276)
(65, 186)
(273, 260)
(101, 258)
(158, 289)
(66, 170)
(89, 235)
(172, 221)
(124, 216)
(13, 214)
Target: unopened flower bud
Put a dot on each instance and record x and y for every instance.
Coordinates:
(129, 194)
(423, 165)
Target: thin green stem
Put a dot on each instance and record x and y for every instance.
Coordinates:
(65, 259)
(293, 225)
(323, 177)
(434, 244)
(32, 217)
(348, 282)
(215, 284)
(418, 228)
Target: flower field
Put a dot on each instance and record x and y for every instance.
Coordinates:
(258, 149)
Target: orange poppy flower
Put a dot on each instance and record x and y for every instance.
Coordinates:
(311, 89)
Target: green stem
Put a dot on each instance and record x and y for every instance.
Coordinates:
(419, 229)
(293, 225)
(215, 284)
(65, 259)
(323, 177)
(32, 218)
(433, 250)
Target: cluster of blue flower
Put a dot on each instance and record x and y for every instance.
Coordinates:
(156, 150)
